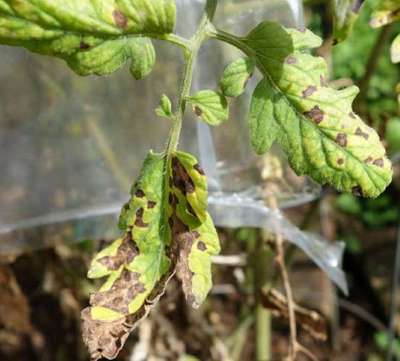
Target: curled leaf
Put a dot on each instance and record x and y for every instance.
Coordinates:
(164, 109)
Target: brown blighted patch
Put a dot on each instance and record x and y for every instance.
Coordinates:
(378, 162)
(127, 251)
(120, 19)
(183, 239)
(197, 111)
(341, 139)
(310, 90)
(139, 219)
(199, 169)
(123, 291)
(181, 178)
(311, 321)
(360, 133)
(202, 246)
(316, 114)
(291, 60)
(139, 193)
(104, 339)
(83, 45)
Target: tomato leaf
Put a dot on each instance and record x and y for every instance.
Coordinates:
(314, 123)
(94, 37)
(211, 106)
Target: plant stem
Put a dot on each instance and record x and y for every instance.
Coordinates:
(191, 49)
(262, 279)
(371, 65)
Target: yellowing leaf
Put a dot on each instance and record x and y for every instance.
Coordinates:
(211, 106)
(167, 230)
(94, 37)
(395, 50)
(314, 123)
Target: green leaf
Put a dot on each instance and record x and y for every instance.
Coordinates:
(235, 77)
(167, 230)
(94, 37)
(345, 14)
(314, 123)
(387, 12)
(211, 106)
(164, 109)
(395, 50)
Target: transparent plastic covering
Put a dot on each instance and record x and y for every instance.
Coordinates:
(70, 146)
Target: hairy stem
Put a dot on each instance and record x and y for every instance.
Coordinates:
(191, 49)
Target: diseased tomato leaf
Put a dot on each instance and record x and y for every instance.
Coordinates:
(210, 105)
(235, 77)
(167, 229)
(93, 37)
(314, 123)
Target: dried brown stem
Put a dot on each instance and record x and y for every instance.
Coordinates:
(295, 347)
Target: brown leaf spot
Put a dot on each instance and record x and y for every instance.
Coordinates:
(196, 234)
(379, 162)
(199, 169)
(352, 115)
(202, 246)
(151, 204)
(341, 139)
(120, 19)
(197, 111)
(360, 133)
(315, 114)
(181, 178)
(127, 251)
(83, 45)
(139, 219)
(357, 191)
(369, 160)
(310, 90)
(340, 161)
(139, 193)
(291, 60)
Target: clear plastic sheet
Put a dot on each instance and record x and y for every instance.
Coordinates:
(71, 146)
